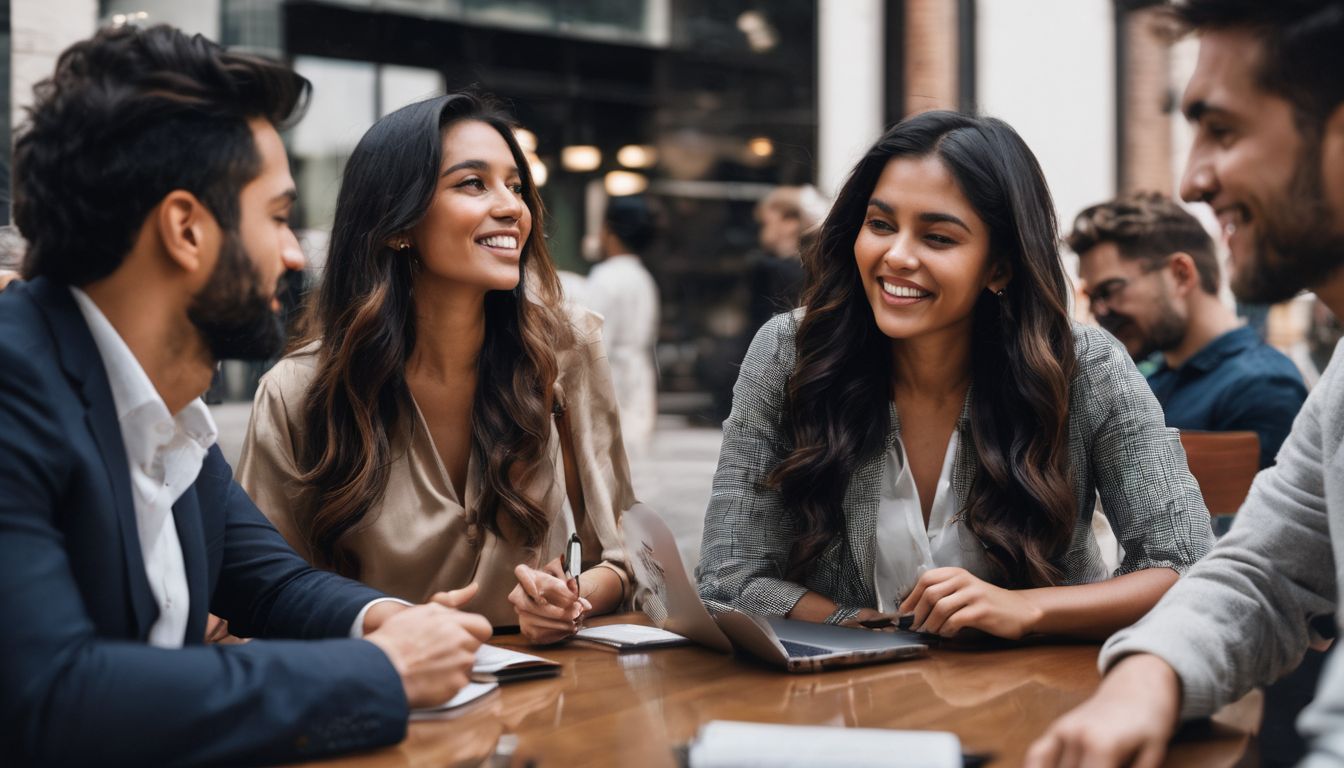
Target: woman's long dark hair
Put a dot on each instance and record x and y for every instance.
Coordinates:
(364, 315)
(1021, 503)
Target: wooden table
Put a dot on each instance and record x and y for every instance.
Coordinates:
(609, 709)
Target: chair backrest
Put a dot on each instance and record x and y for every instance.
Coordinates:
(1224, 464)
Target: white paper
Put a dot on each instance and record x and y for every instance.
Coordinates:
(629, 635)
(467, 695)
(492, 658)
(728, 744)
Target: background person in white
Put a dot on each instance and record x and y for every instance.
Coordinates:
(1267, 104)
(621, 289)
(155, 192)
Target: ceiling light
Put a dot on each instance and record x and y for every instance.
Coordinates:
(580, 158)
(637, 156)
(619, 183)
(526, 139)
(539, 171)
(760, 146)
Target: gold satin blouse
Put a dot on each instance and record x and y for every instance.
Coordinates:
(415, 542)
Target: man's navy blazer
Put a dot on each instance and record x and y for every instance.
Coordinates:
(78, 682)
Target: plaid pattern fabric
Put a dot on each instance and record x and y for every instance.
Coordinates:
(1119, 447)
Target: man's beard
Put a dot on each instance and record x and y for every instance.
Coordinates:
(1166, 332)
(1298, 245)
(233, 311)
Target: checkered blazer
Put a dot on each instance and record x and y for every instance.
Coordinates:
(1119, 447)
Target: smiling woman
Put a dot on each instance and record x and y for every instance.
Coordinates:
(447, 421)
(929, 434)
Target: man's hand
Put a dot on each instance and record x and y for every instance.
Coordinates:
(947, 600)
(547, 603)
(453, 598)
(433, 648)
(7, 277)
(1127, 722)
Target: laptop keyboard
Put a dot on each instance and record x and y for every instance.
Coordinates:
(803, 650)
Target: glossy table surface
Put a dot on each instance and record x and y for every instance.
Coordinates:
(610, 709)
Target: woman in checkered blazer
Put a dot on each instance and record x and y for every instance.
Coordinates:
(930, 432)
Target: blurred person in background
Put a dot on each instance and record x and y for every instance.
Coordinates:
(621, 290)
(787, 218)
(446, 420)
(1150, 273)
(1267, 105)
(929, 434)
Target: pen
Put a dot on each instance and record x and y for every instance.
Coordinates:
(572, 562)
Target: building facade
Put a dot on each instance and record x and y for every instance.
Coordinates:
(703, 104)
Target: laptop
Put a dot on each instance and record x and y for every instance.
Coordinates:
(795, 646)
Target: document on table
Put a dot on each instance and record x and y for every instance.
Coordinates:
(728, 744)
(505, 666)
(629, 637)
(468, 695)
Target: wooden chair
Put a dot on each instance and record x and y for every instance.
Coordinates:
(1224, 464)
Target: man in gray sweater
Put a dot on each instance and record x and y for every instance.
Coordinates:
(1267, 104)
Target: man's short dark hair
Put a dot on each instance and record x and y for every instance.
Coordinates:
(1147, 227)
(1303, 47)
(129, 116)
(631, 220)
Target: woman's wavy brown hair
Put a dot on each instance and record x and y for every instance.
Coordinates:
(364, 317)
(1021, 502)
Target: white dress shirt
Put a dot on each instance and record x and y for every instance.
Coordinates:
(905, 547)
(165, 454)
(623, 292)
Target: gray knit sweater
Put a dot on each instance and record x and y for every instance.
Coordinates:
(1240, 617)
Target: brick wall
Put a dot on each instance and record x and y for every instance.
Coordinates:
(930, 55)
(1145, 104)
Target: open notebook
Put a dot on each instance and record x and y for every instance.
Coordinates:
(502, 665)
(630, 637)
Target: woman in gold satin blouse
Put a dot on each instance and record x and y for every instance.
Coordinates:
(448, 420)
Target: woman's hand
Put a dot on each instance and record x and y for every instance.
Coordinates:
(947, 600)
(548, 605)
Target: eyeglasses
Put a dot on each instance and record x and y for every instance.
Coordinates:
(1110, 291)
(1105, 294)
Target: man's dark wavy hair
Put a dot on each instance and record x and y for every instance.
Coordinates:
(129, 116)
(1303, 41)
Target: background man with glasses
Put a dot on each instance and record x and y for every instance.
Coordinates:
(1151, 273)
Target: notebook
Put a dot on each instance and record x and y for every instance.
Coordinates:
(503, 665)
(631, 637)
(728, 744)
